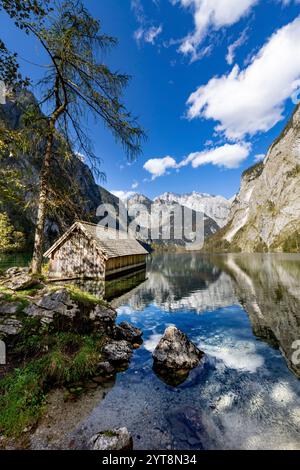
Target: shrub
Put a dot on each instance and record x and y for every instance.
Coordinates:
(10, 240)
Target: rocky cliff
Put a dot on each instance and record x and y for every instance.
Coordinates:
(74, 192)
(265, 215)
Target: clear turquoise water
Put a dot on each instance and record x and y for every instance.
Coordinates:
(244, 313)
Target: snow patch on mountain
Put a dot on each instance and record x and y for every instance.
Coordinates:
(216, 207)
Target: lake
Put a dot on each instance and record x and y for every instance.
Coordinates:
(243, 311)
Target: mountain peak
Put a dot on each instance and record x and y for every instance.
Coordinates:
(216, 207)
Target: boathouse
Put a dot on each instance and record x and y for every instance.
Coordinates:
(94, 252)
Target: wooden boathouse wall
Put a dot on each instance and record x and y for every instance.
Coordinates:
(78, 256)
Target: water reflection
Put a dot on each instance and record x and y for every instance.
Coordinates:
(108, 290)
(268, 287)
(243, 312)
(183, 281)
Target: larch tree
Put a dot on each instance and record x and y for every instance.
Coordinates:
(13, 141)
(78, 84)
(20, 11)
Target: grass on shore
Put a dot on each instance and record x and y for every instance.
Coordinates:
(46, 359)
(76, 294)
(83, 297)
(23, 391)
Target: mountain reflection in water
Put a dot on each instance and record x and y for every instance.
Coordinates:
(267, 286)
(243, 312)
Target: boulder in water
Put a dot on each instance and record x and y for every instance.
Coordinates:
(176, 352)
(118, 351)
(116, 439)
(128, 333)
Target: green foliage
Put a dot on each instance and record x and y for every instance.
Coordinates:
(9, 71)
(21, 399)
(83, 297)
(11, 141)
(254, 171)
(217, 243)
(9, 296)
(31, 341)
(294, 172)
(23, 392)
(10, 240)
(109, 433)
(292, 243)
(63, 368)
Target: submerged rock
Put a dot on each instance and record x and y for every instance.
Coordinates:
(192, 428)
(106, 368)
(176, 352)
(118, 351)
(171, 377)
(129, 333)
(116, 439)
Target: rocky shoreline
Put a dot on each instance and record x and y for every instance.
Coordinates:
(55, 337)
(64, 350)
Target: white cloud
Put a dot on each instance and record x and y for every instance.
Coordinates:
(137, 8)
(80, 156)
(148, 35)
(134, 185)
(228, 156)
(123, 195)
(234, 46)
(159, 166)
(151, 343)
(152, 33)
(259, 158)
(240, 356)
(252, 100)
(211, 15)
(146, 32)
(282, 394)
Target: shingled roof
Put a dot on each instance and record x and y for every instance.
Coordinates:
(111, 243)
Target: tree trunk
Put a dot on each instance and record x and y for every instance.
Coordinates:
(37, 260)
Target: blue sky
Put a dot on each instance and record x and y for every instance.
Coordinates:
(211, 84)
